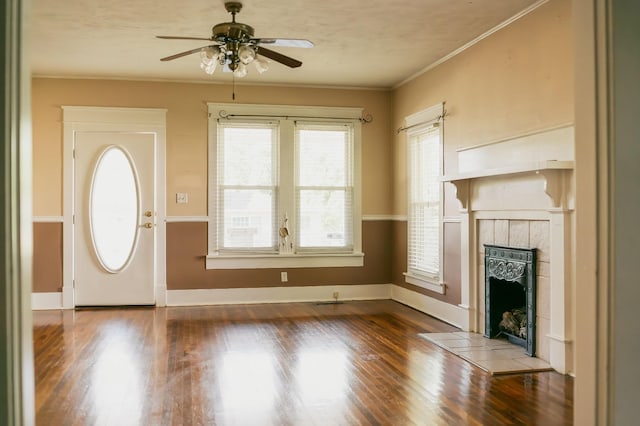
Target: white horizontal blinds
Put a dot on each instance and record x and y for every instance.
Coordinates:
(247, 186)
(424, 202)
(324, 186)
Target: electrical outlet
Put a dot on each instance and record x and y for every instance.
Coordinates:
(336, 295)
(283, 277)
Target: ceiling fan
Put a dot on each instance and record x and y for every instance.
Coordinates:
(235, 47)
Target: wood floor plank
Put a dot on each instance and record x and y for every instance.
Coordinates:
(353, 363)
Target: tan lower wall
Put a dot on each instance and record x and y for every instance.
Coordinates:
(187, 248)
(47, 257)
(451, 262)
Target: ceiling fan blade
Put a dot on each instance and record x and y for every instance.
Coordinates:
(182, 38)
(181, 54)
(284, 42)
(278, 57)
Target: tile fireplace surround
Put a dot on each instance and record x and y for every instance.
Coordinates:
(520, 193)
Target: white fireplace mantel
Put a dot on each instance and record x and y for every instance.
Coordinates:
(551, 170)
(529, 177)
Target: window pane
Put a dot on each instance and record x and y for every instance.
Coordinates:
(424, 247)
(323, 158)
(324, 186)
(424, 203)
(247, 156)
(248, 218)
(246, 173)
(322, 218)
(114, 209)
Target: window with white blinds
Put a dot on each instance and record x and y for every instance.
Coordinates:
(424, 210)
(324, 186)
(284, 191)
(247, 186)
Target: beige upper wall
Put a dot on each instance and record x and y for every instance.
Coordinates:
(187, 133)
(517, 80)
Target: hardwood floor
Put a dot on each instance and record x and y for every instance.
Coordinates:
(354, 363)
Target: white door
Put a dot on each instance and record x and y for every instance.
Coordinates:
(114, 219)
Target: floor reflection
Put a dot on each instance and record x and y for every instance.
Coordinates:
(247, 379)
(298, 364)
(322, 376)
(115, 385)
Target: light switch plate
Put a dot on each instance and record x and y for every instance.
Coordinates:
(182, 198)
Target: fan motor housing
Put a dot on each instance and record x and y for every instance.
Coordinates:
(232, 31)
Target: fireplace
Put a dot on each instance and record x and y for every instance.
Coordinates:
(520, 192)
(510, 295)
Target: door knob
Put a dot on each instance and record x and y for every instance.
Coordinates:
(148, 225)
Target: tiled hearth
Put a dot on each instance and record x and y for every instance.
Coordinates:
(496, 356)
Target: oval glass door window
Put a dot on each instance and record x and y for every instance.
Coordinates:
(113, 209)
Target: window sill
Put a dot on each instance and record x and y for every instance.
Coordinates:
(430, 284)
(261, 261)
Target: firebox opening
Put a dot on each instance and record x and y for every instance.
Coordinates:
(508, 310)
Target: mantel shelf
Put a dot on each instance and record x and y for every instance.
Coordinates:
(551, 170)
(534, 166)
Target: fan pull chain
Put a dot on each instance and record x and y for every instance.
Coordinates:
(233, 91)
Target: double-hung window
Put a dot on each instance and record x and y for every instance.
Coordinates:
(284, 187)
(424, 227)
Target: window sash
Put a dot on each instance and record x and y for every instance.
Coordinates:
(250, 194)
(330, 159)
(425, 193)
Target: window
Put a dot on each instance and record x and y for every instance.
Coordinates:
(324, 189)
(284, 187)
(247, 190)
(424, 236)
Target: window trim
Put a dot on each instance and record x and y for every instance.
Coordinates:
(286, 114)
(418, 123)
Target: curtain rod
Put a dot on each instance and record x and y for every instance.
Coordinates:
(366, 118)
(422, 123)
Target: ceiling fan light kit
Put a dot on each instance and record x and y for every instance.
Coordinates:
(235, 47)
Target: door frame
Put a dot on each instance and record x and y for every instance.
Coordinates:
(109, 119)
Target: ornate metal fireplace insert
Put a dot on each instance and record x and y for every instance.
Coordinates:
(510, 295)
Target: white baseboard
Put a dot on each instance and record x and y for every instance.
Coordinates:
(229, 296)
(561, 354)
(446, 312)
(44, 301)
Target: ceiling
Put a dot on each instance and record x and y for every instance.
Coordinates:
(358, 43)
